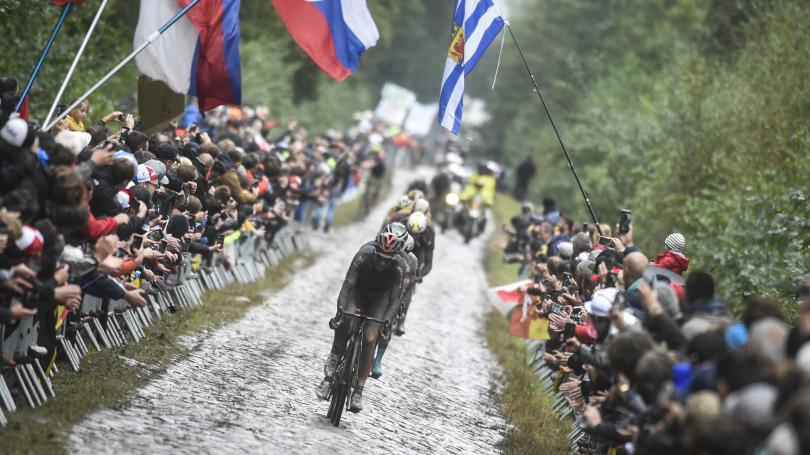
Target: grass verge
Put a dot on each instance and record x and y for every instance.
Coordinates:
(351, 211)
(536, 429)
(106, 380)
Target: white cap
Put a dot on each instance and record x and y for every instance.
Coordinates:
(601, 302)
(75, 141)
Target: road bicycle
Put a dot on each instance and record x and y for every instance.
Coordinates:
(344, 381)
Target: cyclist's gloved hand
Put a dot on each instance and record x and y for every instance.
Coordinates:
(335, 321)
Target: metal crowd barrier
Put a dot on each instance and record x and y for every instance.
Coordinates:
(551, 377)
(106, 323)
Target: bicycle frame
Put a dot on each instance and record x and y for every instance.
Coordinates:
(344, 382)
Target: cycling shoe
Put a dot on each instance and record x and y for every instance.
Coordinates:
(356, 403)
(323, 389)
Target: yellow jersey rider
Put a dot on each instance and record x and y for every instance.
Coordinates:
(481, 183)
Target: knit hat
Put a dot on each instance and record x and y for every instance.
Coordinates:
(16, 134)
(30, 241)
(675, 241)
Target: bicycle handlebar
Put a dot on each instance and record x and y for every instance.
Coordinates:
(362, 316)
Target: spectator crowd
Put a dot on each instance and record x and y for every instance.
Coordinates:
(108, 210)
(648, 359)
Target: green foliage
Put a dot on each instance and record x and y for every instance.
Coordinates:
(28, 24)
(690, 112)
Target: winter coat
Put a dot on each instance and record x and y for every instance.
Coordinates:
(672, 260)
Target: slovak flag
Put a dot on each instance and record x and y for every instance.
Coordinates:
(334, 33)
(199, 54)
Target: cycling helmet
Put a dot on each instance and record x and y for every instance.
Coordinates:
(417, 223)
(399, 229)
(408, 244)
(422, 205)
(391, 239)
(405, 202)
(415, 195)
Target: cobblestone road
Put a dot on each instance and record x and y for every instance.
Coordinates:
(249, 387)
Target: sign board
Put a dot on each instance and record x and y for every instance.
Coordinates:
(394, 104)
(157, 104)
(421, 119)
(474, 112)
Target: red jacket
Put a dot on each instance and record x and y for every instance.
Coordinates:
(97, 228)
(671, 260)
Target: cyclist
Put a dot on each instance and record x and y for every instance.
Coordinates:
(376, 177)
(421, 230)
(412, 263)
(482, 183)
(374, 285)
(402, 209)
(424, 236)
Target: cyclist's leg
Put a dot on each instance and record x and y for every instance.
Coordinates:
(374, 308)
(344, 327)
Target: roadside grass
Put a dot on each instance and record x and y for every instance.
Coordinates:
(536, 429)
(107, 380)
(351, 211)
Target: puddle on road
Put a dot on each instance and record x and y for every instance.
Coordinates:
(250, 386)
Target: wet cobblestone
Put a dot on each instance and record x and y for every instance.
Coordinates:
(249, 387)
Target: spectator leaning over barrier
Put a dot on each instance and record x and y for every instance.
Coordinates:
(651, 363)
(116, 216)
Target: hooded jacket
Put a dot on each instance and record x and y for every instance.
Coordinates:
(672, 260)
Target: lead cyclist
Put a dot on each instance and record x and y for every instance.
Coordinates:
(374, 285)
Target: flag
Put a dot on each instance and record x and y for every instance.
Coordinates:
(65, 2)
(504, 298)
(528, 327)
(199, 54)
(334, 33)
(475, 24)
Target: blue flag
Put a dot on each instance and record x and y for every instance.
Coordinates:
(475, 24)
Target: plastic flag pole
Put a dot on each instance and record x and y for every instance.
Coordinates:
(65, 11)
(75, 62)
(149, 40)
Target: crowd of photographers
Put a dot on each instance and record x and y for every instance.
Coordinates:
(105, 209)
(648, 358)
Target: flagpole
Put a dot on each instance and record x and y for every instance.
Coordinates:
(65, 11)
(149, 40)
(556, 132)
(75, 61)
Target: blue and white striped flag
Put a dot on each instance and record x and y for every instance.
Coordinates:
(475, 24)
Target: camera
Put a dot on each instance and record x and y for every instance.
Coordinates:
(137, 241)
(31, 297)
(607, 242)
(122, 118)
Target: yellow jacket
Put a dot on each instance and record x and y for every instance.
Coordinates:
(486, 183)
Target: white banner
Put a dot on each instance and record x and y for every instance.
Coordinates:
(421, 118)
(394, 104)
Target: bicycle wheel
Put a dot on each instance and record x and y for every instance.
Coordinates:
(343, 380)
(339, 402)
(354, 365)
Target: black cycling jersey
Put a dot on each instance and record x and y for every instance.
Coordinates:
(374, 288)
(423, 249)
